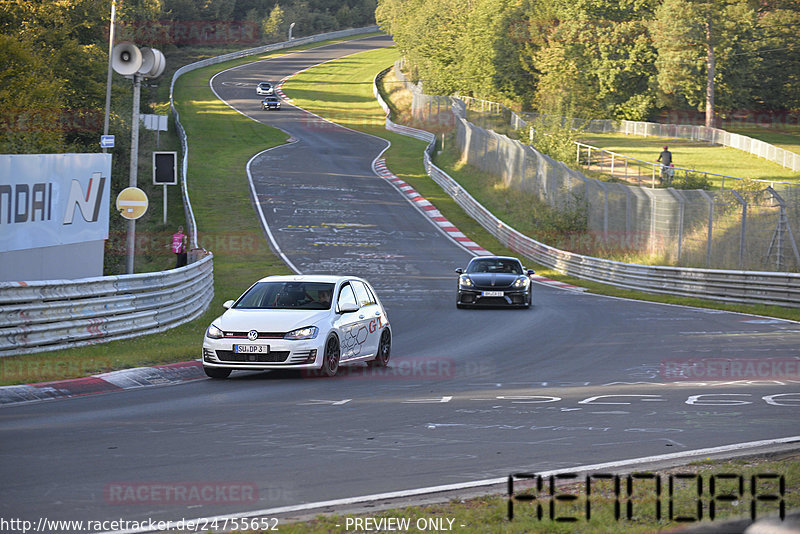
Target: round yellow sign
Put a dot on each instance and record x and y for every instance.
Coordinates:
(132, 203)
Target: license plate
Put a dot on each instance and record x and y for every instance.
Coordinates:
(492, 294)
(251, 349)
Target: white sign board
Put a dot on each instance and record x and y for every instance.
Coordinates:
(53, 199)
(155, 122)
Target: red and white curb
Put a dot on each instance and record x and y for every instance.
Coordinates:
(138, 377)
(279, 90)
(430, 210)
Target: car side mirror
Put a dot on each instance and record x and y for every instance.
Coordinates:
(349, 308)
(460, 270)
(227, 304)
(530, 272)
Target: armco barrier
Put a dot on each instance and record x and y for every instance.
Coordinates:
(748, 287)
(58, 314)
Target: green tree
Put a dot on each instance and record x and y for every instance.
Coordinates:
(776, 58)
(703, 52)
(271, 26)
(428, 33)
(593, 57)
(29, 102)
(63, 45)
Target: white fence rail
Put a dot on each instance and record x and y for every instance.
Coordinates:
(748, 287)
(717, 136)
(58, 314)
(764, 150)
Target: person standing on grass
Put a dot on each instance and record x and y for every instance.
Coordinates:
(666, 160)
(179, 240)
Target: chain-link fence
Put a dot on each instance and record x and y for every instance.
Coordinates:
(714, 229)
(693, 228)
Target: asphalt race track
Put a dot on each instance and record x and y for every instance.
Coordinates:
(469, 394)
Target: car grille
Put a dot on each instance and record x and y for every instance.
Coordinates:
(261, 335)
(270, 357)
(489, 287)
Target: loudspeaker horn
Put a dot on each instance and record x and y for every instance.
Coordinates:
(126, 59)
(159, 65)
(148, 60)
(153, 63)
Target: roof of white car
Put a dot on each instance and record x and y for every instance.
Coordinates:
(307, 278)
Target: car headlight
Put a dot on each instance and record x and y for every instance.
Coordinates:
(214, 333)
(308, 332)
(464, 281)
(522, 281)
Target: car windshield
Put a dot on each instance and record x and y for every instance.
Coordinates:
(287, 296)
(494, 265)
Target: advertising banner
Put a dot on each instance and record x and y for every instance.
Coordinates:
(53, 199)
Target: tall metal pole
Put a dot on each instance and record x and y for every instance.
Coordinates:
(110, 70)
(131, 245)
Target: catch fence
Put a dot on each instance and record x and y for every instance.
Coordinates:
(752, 287)
(728, 229)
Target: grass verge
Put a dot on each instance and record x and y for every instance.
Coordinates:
(353, 79)
(490, 513)
(695, 155)
(221, 142)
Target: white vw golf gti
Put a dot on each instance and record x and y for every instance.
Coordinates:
(299, 322)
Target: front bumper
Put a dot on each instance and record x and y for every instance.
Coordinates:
(283, 354)
(511, 297)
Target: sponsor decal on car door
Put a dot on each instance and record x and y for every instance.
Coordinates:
(351, 326)
(371, 316)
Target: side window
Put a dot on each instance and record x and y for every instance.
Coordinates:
(363, 296)
(346, 296)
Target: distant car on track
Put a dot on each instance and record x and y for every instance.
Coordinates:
(299, 322)
(494, 281)
(271, 102)
(264, 89)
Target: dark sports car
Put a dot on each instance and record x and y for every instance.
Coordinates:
(271, 102)
(494, 281)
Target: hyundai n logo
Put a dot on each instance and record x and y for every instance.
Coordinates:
(88, 204)
(34, 202)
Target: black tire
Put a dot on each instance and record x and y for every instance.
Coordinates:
(384, 351)
(330, 360)
(216, 372)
